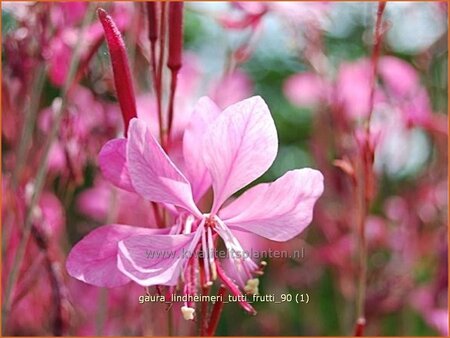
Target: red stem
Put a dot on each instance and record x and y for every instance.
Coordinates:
(159, 79)
(121, 69)
(152, 18)
(233, 288)
(216, 311)
(204, 305)
(359, 330)
(174, 61)
(375, 56)
(365, 189)
(173, 87)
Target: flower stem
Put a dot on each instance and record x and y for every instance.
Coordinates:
(174, 61)
(364, 187)
(216, 311)
(159, 80)
(29, 122)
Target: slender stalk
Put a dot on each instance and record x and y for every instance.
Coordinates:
(205, 291)
(216, 311)
(364, 188)
(29, 121)
(152, 15)
(159, 80)
(174, 61)
(170, 109)
(375, 57)
(41, 174)
(361, 211)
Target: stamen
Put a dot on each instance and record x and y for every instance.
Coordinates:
(205, 250)
(242, 263)
(234, 290)
(252, 286)
(188, 224)
(211, 254)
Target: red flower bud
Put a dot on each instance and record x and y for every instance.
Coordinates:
(152, 21)
(175, 35)
(121, 69)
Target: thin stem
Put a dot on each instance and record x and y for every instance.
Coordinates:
(29, 121)
(41, 174)
(364, 188)
(173, 87)
(375, 56)
(152, 15)
(205, 291)
(216, 311)
(162, 47)
(174, 61)
(362, 258)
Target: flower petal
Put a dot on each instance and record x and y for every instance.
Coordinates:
(205, 112)
(153, 174)
(93, 260)
(278, 211)
(113, 163)
(239, 147)
(156, 260)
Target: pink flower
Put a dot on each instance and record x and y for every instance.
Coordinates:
(306, 89)
(227, 150)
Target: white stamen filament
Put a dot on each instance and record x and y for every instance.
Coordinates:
(205, 250)
(188, 224)
(243, 263)
(211, 255)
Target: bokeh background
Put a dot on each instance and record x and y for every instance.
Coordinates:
(311, 64)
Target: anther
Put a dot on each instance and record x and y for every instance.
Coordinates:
(187, 312)
(252, 286)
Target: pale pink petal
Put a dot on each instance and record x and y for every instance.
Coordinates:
(155, 260)
(113, 163)
(205, 112)
(239, 147)
(93, 260)
(153, 174)
(279, 210)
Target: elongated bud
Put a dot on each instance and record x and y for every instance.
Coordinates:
(121, 68)
(175, 35)
(152, 21)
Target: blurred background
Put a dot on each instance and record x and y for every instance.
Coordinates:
(311, 62)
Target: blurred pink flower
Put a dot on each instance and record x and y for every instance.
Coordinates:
(60, 48)
(231, 89)
(306, 90)
(127, 207)
(399, 76)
